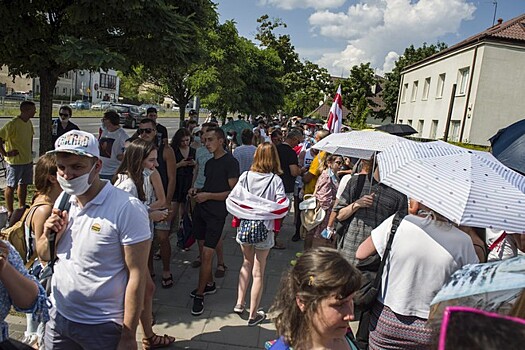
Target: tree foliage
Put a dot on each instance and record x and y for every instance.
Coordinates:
(393, 79)
(305, 84)
(49, 38)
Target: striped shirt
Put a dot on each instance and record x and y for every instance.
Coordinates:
(244, 155)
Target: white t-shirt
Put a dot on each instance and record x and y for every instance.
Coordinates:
(90, 279)
(424, 254)
(111, 144)
(342, 185)
(505, 249)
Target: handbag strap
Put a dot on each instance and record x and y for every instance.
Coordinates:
(395, 224)
(65, 204)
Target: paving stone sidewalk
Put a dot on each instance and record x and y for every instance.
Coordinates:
(218, 327)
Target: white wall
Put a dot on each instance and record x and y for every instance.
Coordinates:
(500, 99)
(435, 107)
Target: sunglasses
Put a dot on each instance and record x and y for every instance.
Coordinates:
(63, 114)
(147, 131)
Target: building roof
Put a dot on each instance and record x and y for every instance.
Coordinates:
(512, 31)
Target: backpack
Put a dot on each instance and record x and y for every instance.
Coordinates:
(16, 235)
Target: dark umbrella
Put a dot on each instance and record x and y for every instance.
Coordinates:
(398, 129)
(311, 121)
(508, 146)
(237, 126)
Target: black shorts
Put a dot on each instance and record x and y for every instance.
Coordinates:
(207, 228)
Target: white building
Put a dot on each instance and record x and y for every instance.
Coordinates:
(92, 86)
(487, 72)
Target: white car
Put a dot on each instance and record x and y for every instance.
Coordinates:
(101, 106)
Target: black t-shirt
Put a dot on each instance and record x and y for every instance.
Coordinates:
(217, 172)
(162, 133)
(58, 130)
(287, 157)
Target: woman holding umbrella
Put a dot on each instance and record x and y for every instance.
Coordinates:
(426, 250)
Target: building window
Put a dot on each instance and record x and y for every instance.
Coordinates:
(108, 81)
(414, 91)
(433, 129)
(409, 122)
(463, 80)
(420, 125)
(404, 92)
(454, 130)
(400, 121)
(426, 89)
(64, 91)
(440, 85)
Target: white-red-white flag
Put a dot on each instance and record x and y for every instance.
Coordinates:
(335, 117)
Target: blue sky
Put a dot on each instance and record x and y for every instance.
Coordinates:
(338, 34)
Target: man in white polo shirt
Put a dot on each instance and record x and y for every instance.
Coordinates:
(102, 249)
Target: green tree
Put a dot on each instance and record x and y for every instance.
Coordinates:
(312, 84)
(305, 84)
(359, 82)
(180, 80)
(393, 79)
(49, 38)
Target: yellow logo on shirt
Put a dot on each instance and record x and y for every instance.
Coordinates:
(96, 228)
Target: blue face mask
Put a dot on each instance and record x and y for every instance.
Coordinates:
(197, 138)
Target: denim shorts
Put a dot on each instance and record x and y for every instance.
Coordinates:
(19, 174)
(264, 245)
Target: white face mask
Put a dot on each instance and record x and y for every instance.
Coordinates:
(77, 186)
(147, 172)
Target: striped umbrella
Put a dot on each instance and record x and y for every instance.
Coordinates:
(358, 144)
(468, 187)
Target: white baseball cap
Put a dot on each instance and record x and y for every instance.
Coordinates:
(77, 142)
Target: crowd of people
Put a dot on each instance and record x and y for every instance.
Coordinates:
(105, 207)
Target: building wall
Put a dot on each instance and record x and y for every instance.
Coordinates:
(423, 110)
(24, 84)
(500, 98)
(497, 95)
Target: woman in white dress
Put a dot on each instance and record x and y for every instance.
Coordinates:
(137, 175)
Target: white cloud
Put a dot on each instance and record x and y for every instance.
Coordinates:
(377, 31)
(294, 4)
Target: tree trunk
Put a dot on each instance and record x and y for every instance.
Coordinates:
(182, 113)
(47, 86)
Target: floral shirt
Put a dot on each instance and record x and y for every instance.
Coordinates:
(40, 307)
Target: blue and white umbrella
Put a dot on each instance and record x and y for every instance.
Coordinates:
(358, 144)
(470, 188)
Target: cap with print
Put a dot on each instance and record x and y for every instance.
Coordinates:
(77, 142)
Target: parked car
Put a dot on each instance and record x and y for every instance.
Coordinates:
(19, 95)
(101, 106)
(130, 115)
(79, 104)
(145, 107)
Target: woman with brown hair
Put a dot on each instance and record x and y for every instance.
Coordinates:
(258, 190)
(47, 191)
(314, 303)
(185, 164)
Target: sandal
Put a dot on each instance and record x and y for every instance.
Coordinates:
(157, 341)
(239, 308)
(167, 282)
(219, 273)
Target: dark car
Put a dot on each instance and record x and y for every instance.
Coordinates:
(130, 115)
